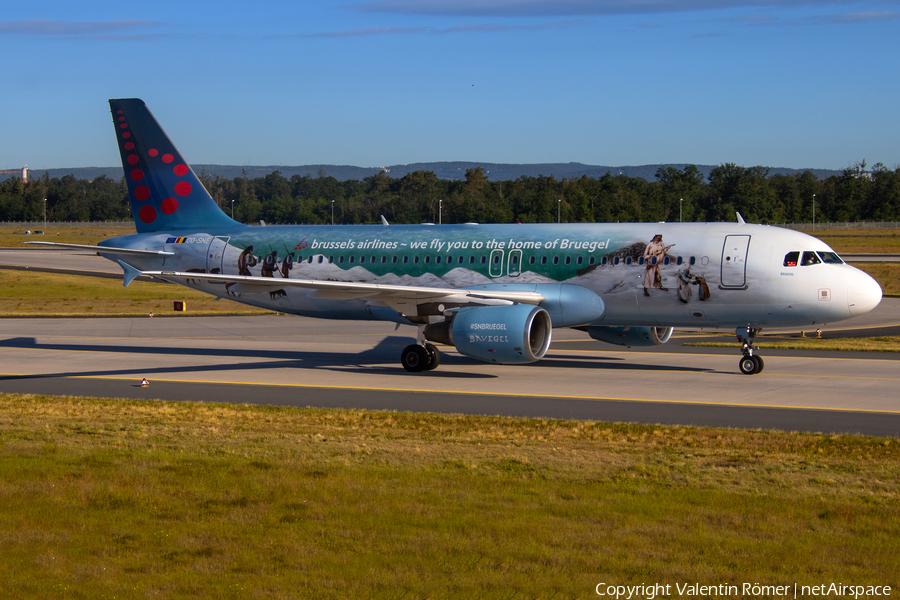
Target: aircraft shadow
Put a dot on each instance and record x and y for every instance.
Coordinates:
(370, 361)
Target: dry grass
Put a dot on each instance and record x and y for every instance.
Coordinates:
(12, 237)
(860, 241)
(114, 498)
(30, 294)
(886, 274)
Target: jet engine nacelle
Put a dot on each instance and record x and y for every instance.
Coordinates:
(631, 336)
(568, 305)
(514, 334)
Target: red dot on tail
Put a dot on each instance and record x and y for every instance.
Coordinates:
(153, 152)
(119, 112)
(126, 135)
(132, 159)
(167, 158)
(123, 125)
(137, 175)
(142, 192)
(121, 118)
(147, 214)
(129, 146)
(180, 170)
(182, 188)
(169, 205)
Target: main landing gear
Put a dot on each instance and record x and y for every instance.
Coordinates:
(416, 358)
(750, 364)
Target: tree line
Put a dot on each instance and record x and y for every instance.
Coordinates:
(857, 194)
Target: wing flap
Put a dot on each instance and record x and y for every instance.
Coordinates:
(350, 290)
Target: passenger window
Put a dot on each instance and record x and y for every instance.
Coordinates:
(678, 261)
(483, 259)
(543, 260)
(666, 260)
(555, 260)
(438, 260)
(331, 260)
(810, 258)
(351, 259)
(592, 261)
(415, 260)
(627, 260)
(580, 260)
(693, 260)
(384, 259)
(515, 259)
(568, 259)
(531, 261)
(471, 260)
(460, 261)
(393, 260)
(615, 261)
(791, 258)
(341, 260)
(604, 261)
(405, 259)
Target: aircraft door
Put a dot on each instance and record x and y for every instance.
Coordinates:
(515, 263)
(216, 255)
(496, 266)
(734, 261)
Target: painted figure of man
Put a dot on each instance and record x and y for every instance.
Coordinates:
(654, 250)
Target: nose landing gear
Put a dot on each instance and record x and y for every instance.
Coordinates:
(751, 363)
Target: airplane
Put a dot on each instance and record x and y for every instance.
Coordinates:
(493, 291)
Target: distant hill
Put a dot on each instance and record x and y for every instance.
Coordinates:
(443, 170)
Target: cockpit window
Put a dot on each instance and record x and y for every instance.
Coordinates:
(810, 258)
(791, 258)
(831, 258)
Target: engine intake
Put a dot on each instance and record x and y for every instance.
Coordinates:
(514, 334)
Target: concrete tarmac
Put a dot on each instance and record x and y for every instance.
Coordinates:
(308, 362)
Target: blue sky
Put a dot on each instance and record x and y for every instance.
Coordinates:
(786, 83)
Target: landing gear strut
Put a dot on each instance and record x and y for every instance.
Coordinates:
(751, 363)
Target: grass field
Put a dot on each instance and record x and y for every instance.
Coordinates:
(12, 237)
(124, 499)
(31, 294)
(860, 241)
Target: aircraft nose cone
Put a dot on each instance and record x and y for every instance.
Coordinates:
(864, 294)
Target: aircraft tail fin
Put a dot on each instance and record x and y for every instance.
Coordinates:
(164, 191)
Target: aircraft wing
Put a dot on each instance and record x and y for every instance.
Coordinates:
(400, 297)
(103, 249)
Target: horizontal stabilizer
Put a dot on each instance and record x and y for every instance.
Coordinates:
(103, 250)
